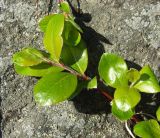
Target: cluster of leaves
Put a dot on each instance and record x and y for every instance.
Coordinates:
(62, 71)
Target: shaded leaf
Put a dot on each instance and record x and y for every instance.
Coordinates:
(53, 41)
(39, 70)
(158, 113)
(148, 82)
(44, 22)
(55, 88)
(64, 6)
(76, 57)
(113, 69)
(28, 57)
(92, 83)
(71, 20)
(122, 115)
(80, 86)
(70, 35)
(147, 129)
(133, 75)
(126, 98)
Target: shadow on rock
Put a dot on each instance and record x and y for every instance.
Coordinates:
(90, 102)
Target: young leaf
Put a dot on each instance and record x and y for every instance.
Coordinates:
(76, 57)
(148, 82)
(126, 98)
(71, 36)
(28, 57)
(92, 84)
(158, 113)
(133, 75)
(53, 41)
(55, 88)
(64, 6)
(122, 115)
(147, 129)
(113, 69)
(39, 70)
(44, 22)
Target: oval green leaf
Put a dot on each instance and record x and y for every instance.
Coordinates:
(44, 22)
(76, 57)
(55, 88)
(133, 75)
(113, 69)
(158, 113)
(39, 70)
(70, 35)
(28, 57)
(148, 82)
(53, 41)
(92, 84)
(147, 129)
(64, 6)
(121, 115)
(126, 98)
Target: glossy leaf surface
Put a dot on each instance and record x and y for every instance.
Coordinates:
(92, 84)
(53, 41)
(147, 129)
(148, 82)
(113, 69)
(158, 113)
(39, 70)
(122, 115)
(133, 75)
(76, 57)
(70, 35)
(28, 57)
(44, 22)
(55, 88)
(126, 98)
(64, 6)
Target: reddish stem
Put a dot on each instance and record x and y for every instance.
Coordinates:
(106, 94)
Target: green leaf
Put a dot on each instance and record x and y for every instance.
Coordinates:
(147, 129)
(28, 57)
(76, 57)
(53, 41)
(44, 22)
(80, 86)
(133, 75)
(39, 70)
(70, 35)
(148, 82)
(158, 113)
(126, 98)
(55, 88)
(113, 69)
(71, 20)
(92, 83)
(122, 115)
(64, 6)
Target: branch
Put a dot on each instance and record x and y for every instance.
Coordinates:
(72, 71)
(84, 77)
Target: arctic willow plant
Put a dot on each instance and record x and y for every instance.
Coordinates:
(62, 71)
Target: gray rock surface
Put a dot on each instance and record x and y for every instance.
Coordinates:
(133, 28)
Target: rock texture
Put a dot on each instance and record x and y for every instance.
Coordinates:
(130, 28)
